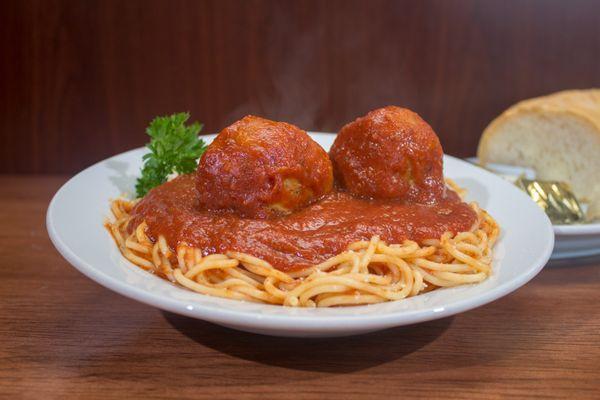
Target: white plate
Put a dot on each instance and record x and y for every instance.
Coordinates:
(77, 211)
(570, 241)
(573, 241)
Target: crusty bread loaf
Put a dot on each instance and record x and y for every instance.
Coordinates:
(557, 135)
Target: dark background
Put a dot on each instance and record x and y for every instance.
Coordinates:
(80, 80)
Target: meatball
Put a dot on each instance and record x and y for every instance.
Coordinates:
(261, 168)
(390, 153)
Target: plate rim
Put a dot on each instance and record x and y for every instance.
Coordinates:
(591, 229)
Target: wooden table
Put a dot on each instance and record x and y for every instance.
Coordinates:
(64, 336)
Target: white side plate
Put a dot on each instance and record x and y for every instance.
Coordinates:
(570, 241)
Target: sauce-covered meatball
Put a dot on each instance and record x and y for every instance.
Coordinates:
(261, 168)
(390, 153)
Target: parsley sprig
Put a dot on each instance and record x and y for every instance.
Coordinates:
(174, 148)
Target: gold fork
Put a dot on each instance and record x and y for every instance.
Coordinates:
(555, 198)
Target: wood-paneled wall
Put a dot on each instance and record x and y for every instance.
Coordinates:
(79, 80)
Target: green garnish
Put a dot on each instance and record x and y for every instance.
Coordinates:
(174, 147)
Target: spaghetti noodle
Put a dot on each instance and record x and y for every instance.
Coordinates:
(366, 272)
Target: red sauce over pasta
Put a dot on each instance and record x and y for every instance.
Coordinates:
(304, 238)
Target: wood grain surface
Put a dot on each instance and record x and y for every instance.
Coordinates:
(80, 80)
(63, 336)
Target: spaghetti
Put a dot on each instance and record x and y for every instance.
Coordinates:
(366, 272)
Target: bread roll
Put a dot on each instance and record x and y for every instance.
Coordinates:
(557, 135)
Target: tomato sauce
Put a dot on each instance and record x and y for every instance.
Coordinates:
(301, 239)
